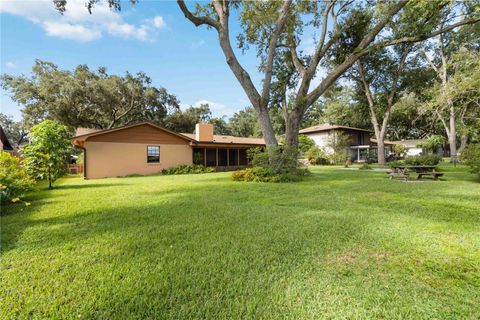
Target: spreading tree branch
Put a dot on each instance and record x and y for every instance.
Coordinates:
(282, 18)
(197, 20)
(419, 38)
(358, 52)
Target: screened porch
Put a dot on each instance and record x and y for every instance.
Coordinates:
(222, 158)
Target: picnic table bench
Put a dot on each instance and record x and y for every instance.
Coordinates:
(403, 172)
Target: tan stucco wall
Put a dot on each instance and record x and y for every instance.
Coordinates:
(112, 159)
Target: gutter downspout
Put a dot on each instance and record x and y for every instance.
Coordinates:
(84, 163)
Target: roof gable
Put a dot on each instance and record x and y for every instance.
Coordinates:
(147, 132)
(144, 132)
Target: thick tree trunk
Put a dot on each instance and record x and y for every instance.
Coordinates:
(292, 126)
(267, 128)
(381, 151)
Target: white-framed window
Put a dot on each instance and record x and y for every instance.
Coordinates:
(153, 154)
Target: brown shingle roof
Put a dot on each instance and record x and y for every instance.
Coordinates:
(96, 132)
(328, 127)
(409, 143)
(84, 133)
(229, 139)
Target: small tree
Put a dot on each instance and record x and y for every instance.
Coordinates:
(400, 150)
(471, 157)
(304, 143)
(339, 143)
(46, 155)
(432, 143)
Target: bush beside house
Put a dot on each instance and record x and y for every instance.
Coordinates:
(305, 143)
(14, 179)
(188, 169)
(276, 164)
(316, 155)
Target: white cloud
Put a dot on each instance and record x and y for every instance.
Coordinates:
(78, 24)
(158, 22)
(71, 31)
(218, 109)
(198, 44)
(126, 30)
(11, 65)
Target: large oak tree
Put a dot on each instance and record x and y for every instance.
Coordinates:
(88, 98)
(276, 29)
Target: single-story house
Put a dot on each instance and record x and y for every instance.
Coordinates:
(145, 148)
(4, 143)
(361, 143)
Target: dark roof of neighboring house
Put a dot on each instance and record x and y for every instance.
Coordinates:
(6, 144)
(83, 133)
(328, 127)
(384, 141)
(409, 143)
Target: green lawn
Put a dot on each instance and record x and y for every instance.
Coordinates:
(340, 244)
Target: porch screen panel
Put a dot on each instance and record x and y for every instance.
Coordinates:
(232, 157)
(222, 157)
(198, 156)
(211, 157)
(243, 157)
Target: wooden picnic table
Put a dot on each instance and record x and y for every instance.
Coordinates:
(403, 171)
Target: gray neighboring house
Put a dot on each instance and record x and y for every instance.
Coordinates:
(361, 143)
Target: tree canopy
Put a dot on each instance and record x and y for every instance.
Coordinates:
(47, 154)
(88, 98)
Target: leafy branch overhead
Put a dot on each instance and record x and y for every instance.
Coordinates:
(276, 29)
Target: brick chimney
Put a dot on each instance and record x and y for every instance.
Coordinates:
(203, 132)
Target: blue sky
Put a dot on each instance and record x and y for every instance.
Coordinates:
(151, 36)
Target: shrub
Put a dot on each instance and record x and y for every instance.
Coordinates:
(423, 160)
(432, 143)
(277, 159)
(259, 174)
(14, 179)
(365, 166)
(188, 169)
(396, 163)
(400, 150)
(371, 157)
(275, 164)
(316, 156)
(305, 143)
(471, 157)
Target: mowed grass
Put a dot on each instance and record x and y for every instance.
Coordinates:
(339, 245)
